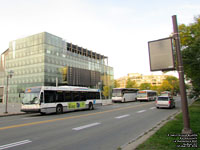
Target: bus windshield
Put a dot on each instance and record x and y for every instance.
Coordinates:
(31, 98)
(142, 94)
(117, 93)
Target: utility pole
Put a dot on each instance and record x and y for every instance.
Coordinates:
(9, 75)
(184, 104)
(6, 107)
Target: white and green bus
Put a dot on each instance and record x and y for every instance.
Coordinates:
(46, 99)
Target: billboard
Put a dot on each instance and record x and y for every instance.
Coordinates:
(161, 55)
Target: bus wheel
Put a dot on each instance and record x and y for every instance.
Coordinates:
(59, 109)
(91, 107)
(42, 113)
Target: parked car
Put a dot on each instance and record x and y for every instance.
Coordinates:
(165, 102)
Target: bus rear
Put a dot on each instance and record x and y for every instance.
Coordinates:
(142, 96)
(146, 95)
(166, 93)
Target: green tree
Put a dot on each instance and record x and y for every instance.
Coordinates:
(166, 86)
(190, 42)
(106, 91)
(116, 84)
(156, 88)
(130, 83)
(171, 83)
(145, 86)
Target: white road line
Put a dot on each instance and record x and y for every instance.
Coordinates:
(115, 106)
(30, 118)
(152, 107)
(119, 117)
(14, 144)
(141, 111)
(86, 126)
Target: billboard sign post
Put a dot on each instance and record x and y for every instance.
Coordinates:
(161, 58)
(161, 55)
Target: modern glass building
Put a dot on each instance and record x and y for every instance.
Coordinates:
(46, 59)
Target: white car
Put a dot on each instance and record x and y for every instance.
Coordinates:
(165, 102)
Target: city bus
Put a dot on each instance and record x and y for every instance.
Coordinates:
(124, 94)
(46, 99)
(146, 95)
(166, 93)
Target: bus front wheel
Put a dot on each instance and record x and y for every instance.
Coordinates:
(59, 109)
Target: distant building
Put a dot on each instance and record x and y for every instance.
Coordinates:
(154, 80)
(46, 60)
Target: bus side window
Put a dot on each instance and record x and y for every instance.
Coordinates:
(68, 96)
(49, 96)
(83, 96)
(75, 96)
(89, 95)
(59, 96)
(97, 95)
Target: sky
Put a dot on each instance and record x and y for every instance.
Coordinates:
(119, 29)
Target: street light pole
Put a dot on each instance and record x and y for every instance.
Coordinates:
(10, 73)
(184, 104)
(6, 108)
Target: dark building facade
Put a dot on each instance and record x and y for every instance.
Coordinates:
(47, 60)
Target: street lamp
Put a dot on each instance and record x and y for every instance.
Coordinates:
(99, 87)
(9, 75)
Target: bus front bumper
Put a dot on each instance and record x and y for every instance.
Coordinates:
(31, 110)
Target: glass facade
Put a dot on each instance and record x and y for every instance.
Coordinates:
(45, 59)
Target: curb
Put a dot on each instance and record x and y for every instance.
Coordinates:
(11, 114)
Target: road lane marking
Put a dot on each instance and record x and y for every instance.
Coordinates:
(152, 107)
(141, 111)
(117, 106)
(14, 144)
(86, 126)
(30, 118)
(72, 117)
(123, 116)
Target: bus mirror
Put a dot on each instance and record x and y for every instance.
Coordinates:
(41, 98)
(21, 95)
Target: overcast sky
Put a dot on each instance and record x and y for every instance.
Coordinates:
(119, 29)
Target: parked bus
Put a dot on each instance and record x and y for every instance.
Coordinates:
(124, 94)
(146, 95)
(166, 93)
(47, 99)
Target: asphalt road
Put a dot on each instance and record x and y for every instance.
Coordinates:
(105, 128)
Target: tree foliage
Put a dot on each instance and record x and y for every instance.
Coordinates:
(190, 42)
(171, 83)
(145, 86)
(116, 84)
(106, 91)
(130, 83)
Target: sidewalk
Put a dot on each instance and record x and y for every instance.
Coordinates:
(12, 109)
